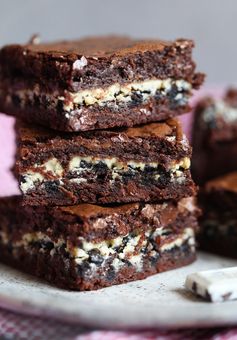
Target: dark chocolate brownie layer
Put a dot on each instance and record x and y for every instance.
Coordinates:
(97, 83)
(87, 247)
(146, 163)
(218, 232)
(215, 137)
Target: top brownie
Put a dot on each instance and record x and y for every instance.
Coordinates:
(97, 83)
(215, 137)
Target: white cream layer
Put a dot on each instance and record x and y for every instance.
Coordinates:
(123, 93)
(115, 94)
(110, 247)
(107, 248)
(54, 168)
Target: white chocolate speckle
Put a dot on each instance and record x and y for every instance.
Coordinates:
(79, 64)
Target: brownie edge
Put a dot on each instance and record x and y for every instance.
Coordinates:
(85, 248)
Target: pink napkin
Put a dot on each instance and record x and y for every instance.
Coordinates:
(8, 185)
(15, 326)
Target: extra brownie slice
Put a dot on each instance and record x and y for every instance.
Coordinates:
(97, 83)
(218, 232)
(215, 137)
(146, 163)
(87, 247)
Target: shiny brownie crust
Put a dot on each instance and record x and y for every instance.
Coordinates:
(93, 222)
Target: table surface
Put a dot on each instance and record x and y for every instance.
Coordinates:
(150, 303)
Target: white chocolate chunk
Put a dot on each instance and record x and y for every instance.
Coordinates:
(30, 180)
(215, 285)
(79, 64)
(54, 166)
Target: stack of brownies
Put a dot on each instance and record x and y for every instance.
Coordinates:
(107, 195)
(214, 168)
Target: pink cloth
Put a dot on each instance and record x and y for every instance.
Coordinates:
(15, 326)
(8, 185)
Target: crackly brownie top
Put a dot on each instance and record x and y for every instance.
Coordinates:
(97, 62)
(160, 142)
(224, 183)
(167, 211)
(97, 222)
(219, 195)
(84, 211)
(172, 127)
(103, 46)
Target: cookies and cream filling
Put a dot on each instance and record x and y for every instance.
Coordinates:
(220, 109)
(113, 95)
(124, 93)
(78, 166)
(132, 247)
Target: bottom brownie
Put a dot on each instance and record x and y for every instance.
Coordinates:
(218, 223)
(87, 247)
(62, 272)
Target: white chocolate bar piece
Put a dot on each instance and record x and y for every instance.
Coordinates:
(214, 285)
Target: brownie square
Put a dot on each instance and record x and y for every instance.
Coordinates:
(218, 224)
(87, 247)
(215, 137)
(97, 83)
(147, 163)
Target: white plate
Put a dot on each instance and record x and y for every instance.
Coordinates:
(159, 301)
